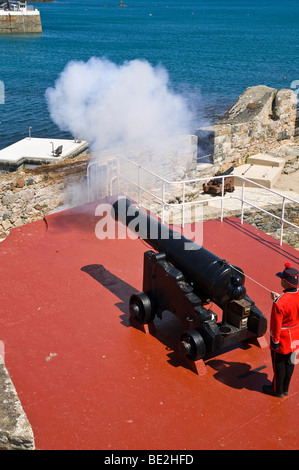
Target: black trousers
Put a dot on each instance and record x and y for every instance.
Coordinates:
(283, 368)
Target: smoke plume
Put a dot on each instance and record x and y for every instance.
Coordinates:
(112, 105)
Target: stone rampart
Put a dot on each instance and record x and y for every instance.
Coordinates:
(29, 195)
(259, 120)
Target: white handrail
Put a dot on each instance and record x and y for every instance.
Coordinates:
(183, 183)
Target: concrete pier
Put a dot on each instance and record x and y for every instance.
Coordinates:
(31, 152)
(23, 20)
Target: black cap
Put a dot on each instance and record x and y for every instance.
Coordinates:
(291, 275)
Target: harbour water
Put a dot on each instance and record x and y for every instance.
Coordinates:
(212, 50)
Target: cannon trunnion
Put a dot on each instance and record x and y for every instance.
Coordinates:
(185, 280)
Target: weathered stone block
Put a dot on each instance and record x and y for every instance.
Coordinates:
(15, 430)
(9, 199)
(255, 102)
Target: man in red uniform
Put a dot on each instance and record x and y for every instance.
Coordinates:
(284, 332)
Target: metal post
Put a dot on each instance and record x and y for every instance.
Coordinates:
(117, 169)
(30, 132)
(183, 206)
(163, 202)
(242, 202)
(282, 220)
(88, 184)
(222, 195)
(138, 183)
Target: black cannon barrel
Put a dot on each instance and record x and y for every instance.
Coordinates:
(225, 173)
(212, 277)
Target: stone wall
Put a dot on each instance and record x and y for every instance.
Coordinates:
(29, 195)
(18, 24)
(259, 120)
(271, 226)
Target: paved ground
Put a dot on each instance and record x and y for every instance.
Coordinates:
(87, 379)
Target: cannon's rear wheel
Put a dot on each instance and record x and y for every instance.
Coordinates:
(192, 345)
(141, 307)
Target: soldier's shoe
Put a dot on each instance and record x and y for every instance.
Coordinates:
(269, 391)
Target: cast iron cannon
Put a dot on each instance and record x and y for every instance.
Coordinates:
(184, 278)
(214, 186)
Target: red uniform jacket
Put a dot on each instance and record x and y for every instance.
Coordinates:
(284, 324)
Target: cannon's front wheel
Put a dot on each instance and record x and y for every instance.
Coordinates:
(141, 307)
(192, 345)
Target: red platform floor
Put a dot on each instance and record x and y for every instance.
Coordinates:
(87, 379)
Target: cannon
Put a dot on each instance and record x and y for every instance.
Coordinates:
(185, 278)
(214, 186)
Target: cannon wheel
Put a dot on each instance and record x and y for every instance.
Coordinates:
(192, 345)
(141, 307)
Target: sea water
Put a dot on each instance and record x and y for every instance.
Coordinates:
(212, 51)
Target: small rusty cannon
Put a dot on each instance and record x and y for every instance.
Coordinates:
(214, 186)
(183, 277)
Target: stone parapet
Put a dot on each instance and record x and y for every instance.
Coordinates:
(260, 118)
(29, 195)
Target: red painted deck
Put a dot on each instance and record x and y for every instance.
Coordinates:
(89, 380)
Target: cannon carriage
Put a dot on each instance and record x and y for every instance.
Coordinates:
(184, 278)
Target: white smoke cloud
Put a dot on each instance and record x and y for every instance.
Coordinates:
(112, 105)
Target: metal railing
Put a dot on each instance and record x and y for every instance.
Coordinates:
(117, 175)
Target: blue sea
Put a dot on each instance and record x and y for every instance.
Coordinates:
(212, 51)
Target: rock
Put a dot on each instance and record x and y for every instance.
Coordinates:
(6, 224)
(9, 199)
(254, 102)
(29, 181)
(3, 235)
(15, 429)
(20, 183)
(7, 215)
